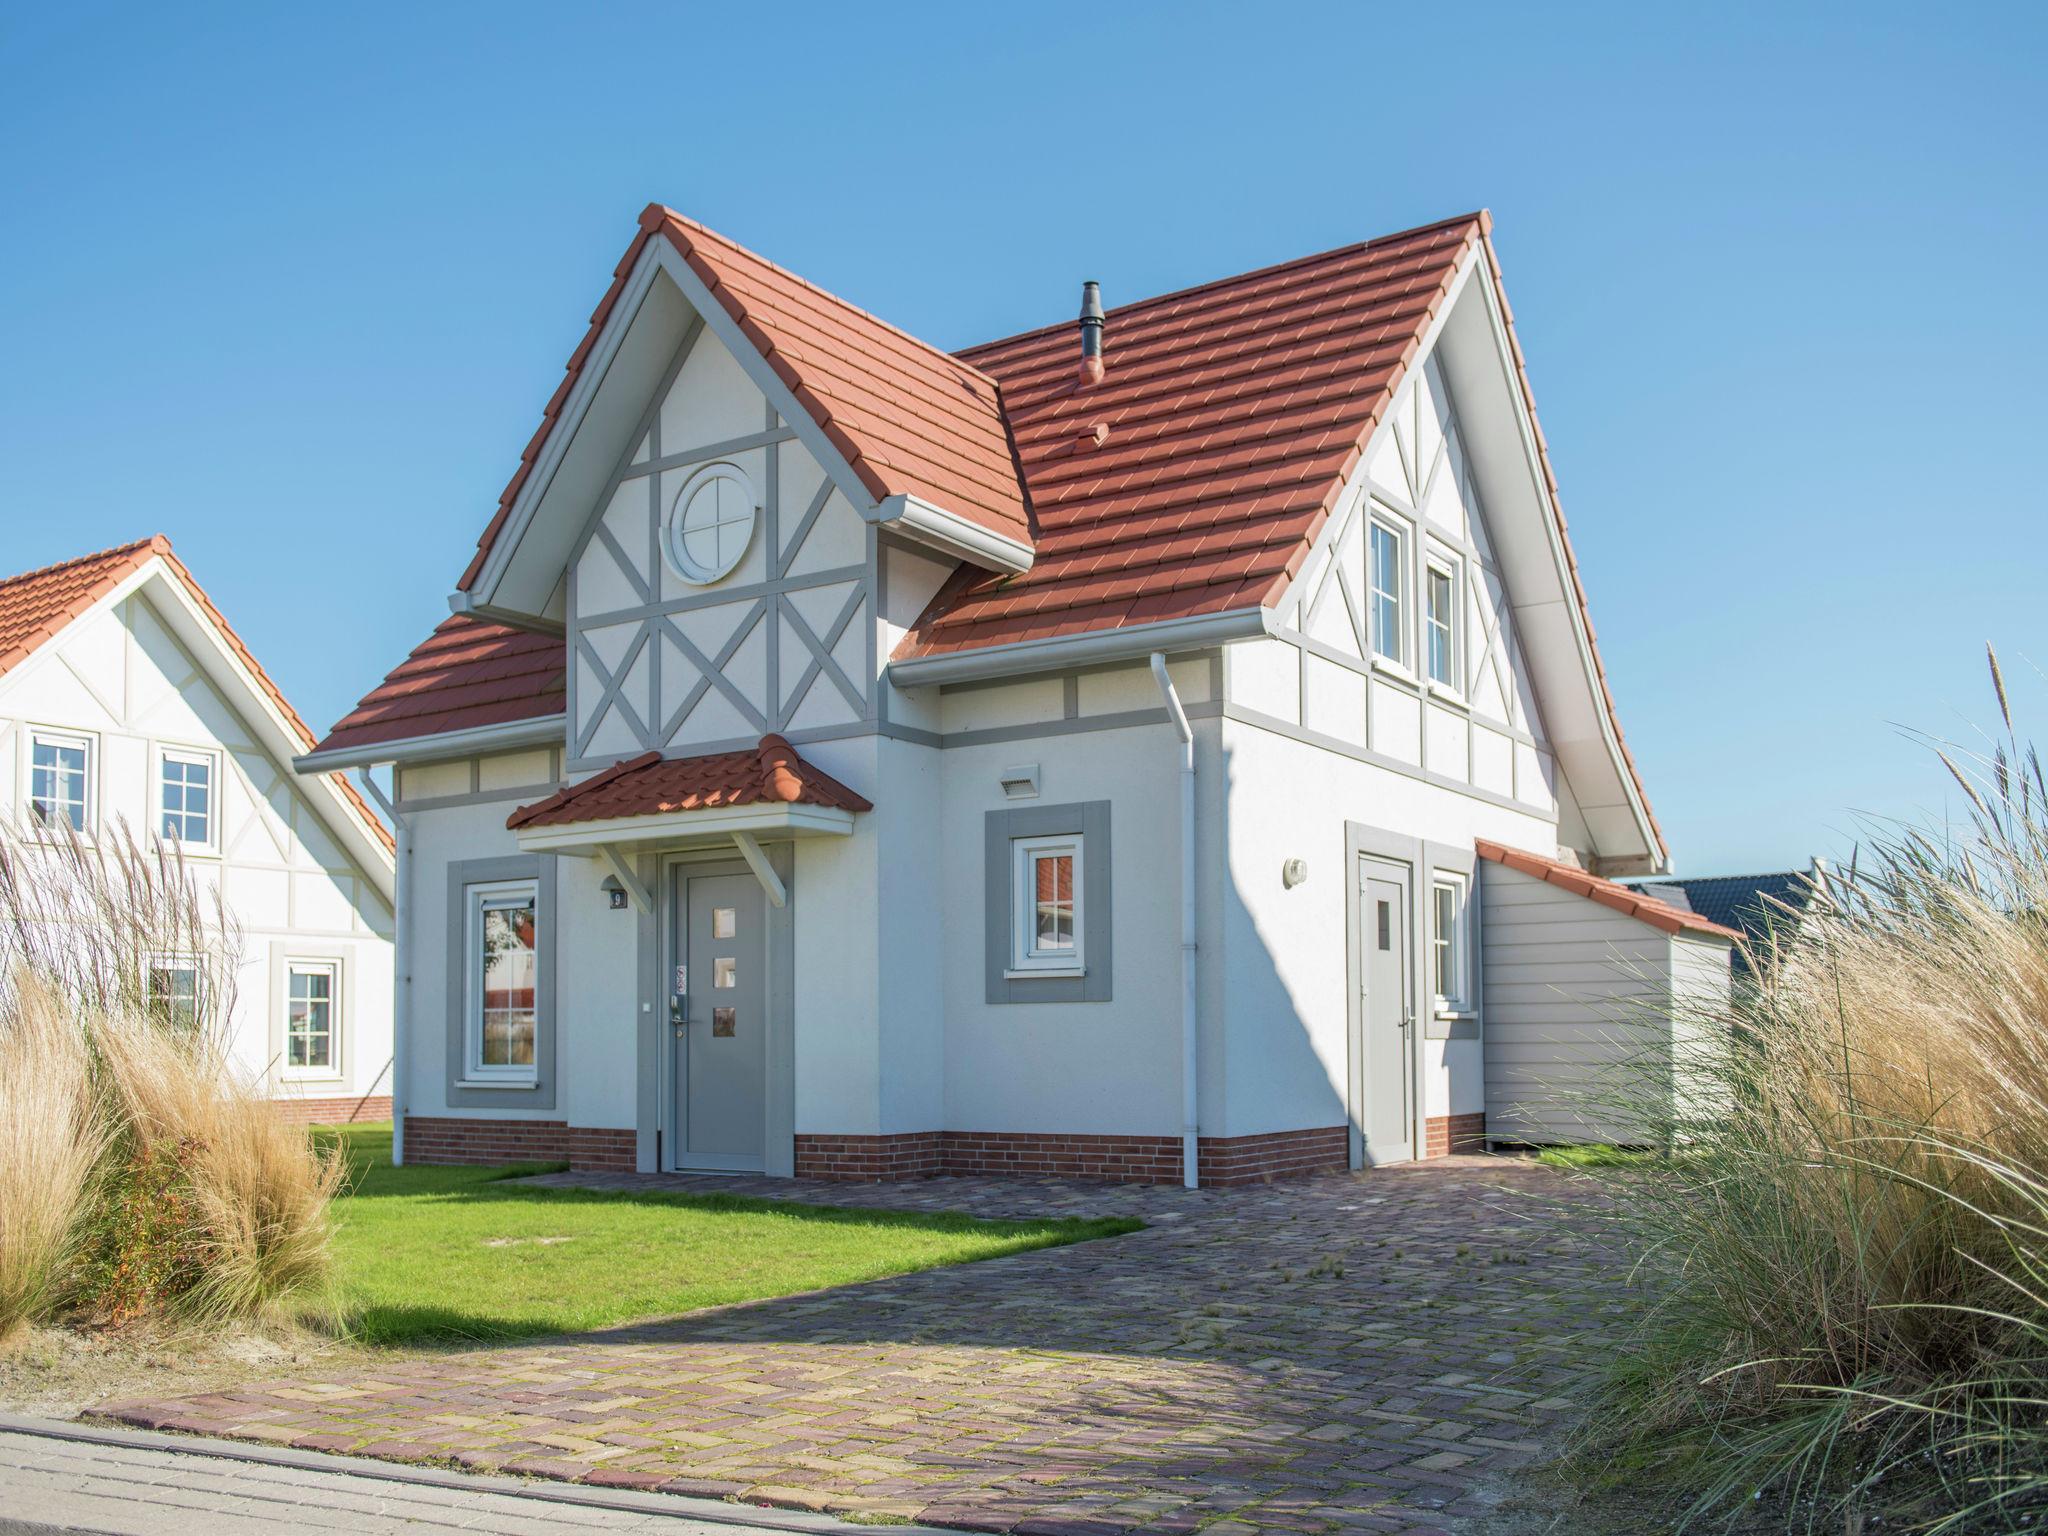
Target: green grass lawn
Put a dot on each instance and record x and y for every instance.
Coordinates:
(442, 1254)
(1599, 1154)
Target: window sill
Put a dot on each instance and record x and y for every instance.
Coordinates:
(1444, 693)
(50, 837)
(321, 1079)
(500, 1084)
(1386, 666)
(1451, 1011)
(1065, 973)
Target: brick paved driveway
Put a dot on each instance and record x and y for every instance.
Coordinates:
(1379, 1352)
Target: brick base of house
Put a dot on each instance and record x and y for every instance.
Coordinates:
(450, 1140)
(1223, 1160)
(339, 1111)
(1228, 1160)
(1444, 1134)
(871, 1159)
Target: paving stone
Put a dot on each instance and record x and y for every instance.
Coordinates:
(1262, 1360)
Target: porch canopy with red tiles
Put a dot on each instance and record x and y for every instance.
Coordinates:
(679, 802)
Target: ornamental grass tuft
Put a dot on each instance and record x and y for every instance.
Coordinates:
(141, 1179)
(1847, 1268)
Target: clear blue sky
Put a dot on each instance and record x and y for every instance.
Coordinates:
(291, 284)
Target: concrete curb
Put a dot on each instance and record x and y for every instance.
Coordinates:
(626, 1500)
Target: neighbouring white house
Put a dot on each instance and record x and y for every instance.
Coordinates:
(1171, 746)
(126, 699)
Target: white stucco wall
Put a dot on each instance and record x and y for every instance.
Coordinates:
(120, 678)
(1069, 1066)
(1284, 984)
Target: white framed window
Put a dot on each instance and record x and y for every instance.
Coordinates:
(1447, 941)
(711, 523)
(502, 956)
(1046, 906)
(188, 802)
(170, 987)
(1440, 623)
(60, 779)
(1386, 589)
(312, 1000)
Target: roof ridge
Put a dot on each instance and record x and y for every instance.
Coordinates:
(670, 215)
(1480, 216)
(156, 543)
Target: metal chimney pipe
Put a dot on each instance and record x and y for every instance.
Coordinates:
(1091, 333)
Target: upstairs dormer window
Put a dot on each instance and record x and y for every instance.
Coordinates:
(711, 524)
(186, 796)
(1385, 587)
(1440, 617)
(60, 780)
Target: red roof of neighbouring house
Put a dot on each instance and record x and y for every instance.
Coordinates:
(1234, 413)
(907, 418)
(36, 605)
(652, 785)
(467, 673)
(1625, 899)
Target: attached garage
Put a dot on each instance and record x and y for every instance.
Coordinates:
(1590, 987)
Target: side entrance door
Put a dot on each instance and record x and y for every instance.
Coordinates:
(719, 1018)
(1382, 1052)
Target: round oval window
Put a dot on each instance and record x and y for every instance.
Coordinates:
(711, 523)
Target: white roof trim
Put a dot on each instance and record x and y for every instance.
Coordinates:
(952, 534)
(712, 825)
(1568, 601)
(541, 730)
(589, 379)
(1134, 640)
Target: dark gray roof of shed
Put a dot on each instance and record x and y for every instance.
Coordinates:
(1753, 905)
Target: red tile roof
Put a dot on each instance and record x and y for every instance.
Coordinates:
(651, 785)
(908, 418)
(36, 605)
(1193, 479)
(467, 673)
(1196, 475)
(1646, 909)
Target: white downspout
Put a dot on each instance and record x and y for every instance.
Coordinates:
(1190, 1081)
(401, 959)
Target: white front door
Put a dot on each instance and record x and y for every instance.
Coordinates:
(1383, 1047)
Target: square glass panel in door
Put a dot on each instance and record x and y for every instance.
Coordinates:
(721, 1083)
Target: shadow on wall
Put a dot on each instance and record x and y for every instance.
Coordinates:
(1277, 1080)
